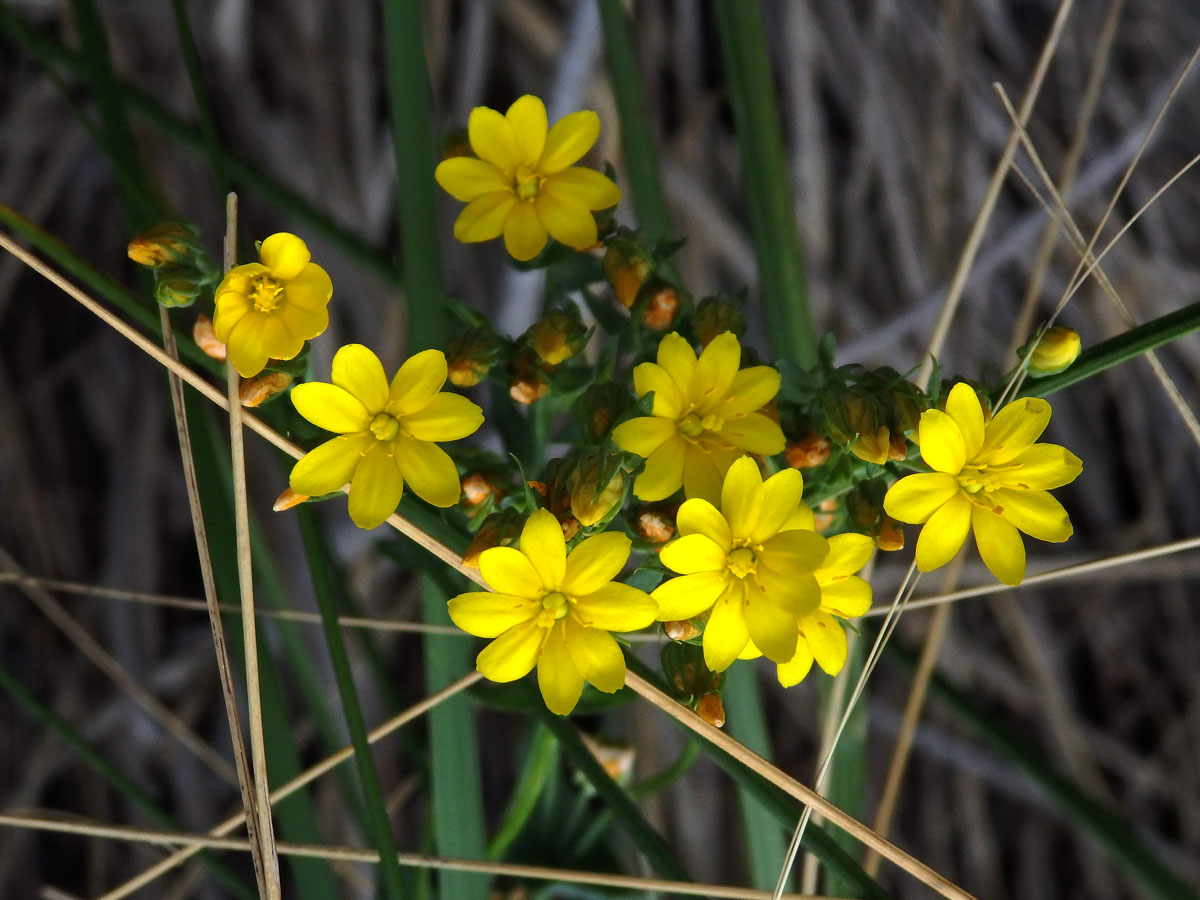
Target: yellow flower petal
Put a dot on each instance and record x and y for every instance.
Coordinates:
(375, 489)
(914, 498)
(799, 595)
(231, 306)
(284, 255)
(1036, 513)
(1000, 545)
(597, 657)
(1014, 429)
(1042, 467)
(742, 496)
(964, 408)
(689, 595)
(699, 516)
(492, 138)
(941, 440)
(750, 390)
(446, 417)
(668, 401)
(359, 372)
(465, 178)
(771, 628)
(782, 493)
(309, 290)
(329, 466)
(663, 474)
(615, 607)
(566, 221)
(330, 407)
(701, 475)
(726, 633)
(795, 554)
(560, 682)
(513, 654)
(524, 234)
(716, 368)
(800, 520)
(693, 553)
(944, 533)
(508, 571)
(595, 562)
(489, 615)
(582, 187)
(542, 541)
(847, 554)
(483, 218)
(826, 641)
(794, 670)
(278, 339)
(677, 358)
(245, 345)
(527, 116)
(644, 434)
(428, 469)
(305, 324)
(572, 136)
(417, 382)
(847, 597)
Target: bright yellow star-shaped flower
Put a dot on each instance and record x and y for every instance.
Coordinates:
(706, 414)
(267, 310)
(525, 184)
(554, 611)
(751, 562)
(990, 478)
(386, 433)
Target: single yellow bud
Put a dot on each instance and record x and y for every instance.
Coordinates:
(826, 513)
(716, 315)
(161, 245)
(288, 499)
(1058, 348)
(683, 630)
(255, 391)
(660, 309)
(873, 446)
(890, 536)
(711, 710)
(556, 337)
(206, 338)
(626, 266)
(588, 506)
(656, 525)
(808, 452)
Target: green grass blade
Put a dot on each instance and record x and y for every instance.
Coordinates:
(325, 583)
(846, 785)
(116, 779)
(200, 93)
(766, 181)
(1115, 837)
(763, 839)
(637, 136)
(540, 763)
(456, 782)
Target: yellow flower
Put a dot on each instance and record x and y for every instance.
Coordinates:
(751, 562)
(990, 478)
(267, 310)
(705, 416)
(555, 611)
(524, 184)
(386, 433)
(1057, 349)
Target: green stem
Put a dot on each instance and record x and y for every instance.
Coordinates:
(766, 181)
(204, 107)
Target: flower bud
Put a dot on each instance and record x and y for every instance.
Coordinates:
(178, 290)
(872, 446)
(288, 499)
(476, 490)
(498, 530)
(718, 314)
(471, 355)
(616, 759)
(711, 710)
(590, 503)
(890, 536)
(655, 524)
(557, 336)
(826, 514)
(897, 447)
(808, 452)
(206, 338)
(253, 392)
(687, 675)
(683, 630)
(163, 244)
(626, 266)
(1057, 349)
(601, 405)
(661, 306)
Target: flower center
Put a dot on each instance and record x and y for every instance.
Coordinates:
(527, 183)
(974, 479)
(693, 425)
(384, 427)
(265, 292)
(742, 562)
(554, 607)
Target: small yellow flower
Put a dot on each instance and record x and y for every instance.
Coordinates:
(386, 434)
(752, 562)
(988, 477)
(706, 414)
(1055, 350)
(524, 184)
(554, 611)
(267, 310)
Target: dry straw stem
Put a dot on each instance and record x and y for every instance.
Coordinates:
(286, 790)
(72, 825)
(266, 860)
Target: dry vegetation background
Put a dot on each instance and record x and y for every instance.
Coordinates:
(893, 129)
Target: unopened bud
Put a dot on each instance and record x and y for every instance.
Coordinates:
(716, 315)
(471, 355)
(590, 506)
(862, 511)
(898, 447)
(600, 407)
(626, 266)
(826, 514)
(255, 391)
(711, 710)
(476, 489)
(1058, 348)
(163, 244)
(655, 525)
(872, 446)
(288, 499)
(498, 530)
(177, 291)
(890, 536)
(683, 630)
(808, 452)
(616, 759)
(206, 338)
(570, 527)
(661, 306)
(528, 389)
(557, 336)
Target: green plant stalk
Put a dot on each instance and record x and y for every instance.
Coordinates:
(412, 134)
(637, 135)
(1116, 350)
(540, 762)
(846, 785)
(116, 779)
(766, 181)
(662, 780)
(763, 838)
(325, 584)
(201, 95)
(1114, 836)
(456, 782)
